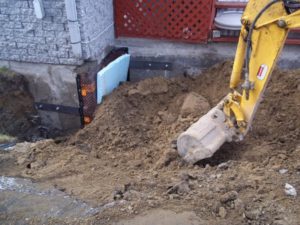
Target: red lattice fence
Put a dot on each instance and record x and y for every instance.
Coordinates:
(183, 20)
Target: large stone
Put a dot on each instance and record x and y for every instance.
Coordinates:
(194, 104)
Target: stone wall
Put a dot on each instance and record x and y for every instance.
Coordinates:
(96, 18)
(25, 38)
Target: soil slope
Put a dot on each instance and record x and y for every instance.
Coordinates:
(16, 105)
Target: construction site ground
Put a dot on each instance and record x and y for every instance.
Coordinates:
(123, 168)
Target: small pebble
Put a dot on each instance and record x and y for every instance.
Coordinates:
(283, 171)
(253, 214)
(222, 212)
(290, 190)
(229, 196)
(223, 166)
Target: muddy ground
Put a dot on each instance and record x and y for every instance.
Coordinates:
(127, 155)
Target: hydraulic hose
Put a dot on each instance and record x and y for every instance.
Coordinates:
(292, 4)
(249, 38)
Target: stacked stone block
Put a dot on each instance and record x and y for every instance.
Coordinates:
(96, 18)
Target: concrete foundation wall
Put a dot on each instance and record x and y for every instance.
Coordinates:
(53, 84)
(192, 58)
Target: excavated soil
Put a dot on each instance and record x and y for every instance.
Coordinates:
(16, 106)
(128, 155)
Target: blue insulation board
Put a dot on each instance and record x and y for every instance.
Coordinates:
(110, 76)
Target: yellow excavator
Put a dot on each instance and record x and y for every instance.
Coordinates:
(265, 27)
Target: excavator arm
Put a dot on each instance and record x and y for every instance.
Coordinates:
(265, 26)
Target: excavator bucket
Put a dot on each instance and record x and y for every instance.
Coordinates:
(205, 137)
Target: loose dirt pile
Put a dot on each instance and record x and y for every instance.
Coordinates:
(16, 105)
(128, 154)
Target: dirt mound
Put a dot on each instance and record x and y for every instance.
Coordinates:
(129, 153)
(16, 105)
(147, 116)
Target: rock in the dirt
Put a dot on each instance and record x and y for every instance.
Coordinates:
(280, 222)
(186, 177)
(222, 212)
(174, 144)
(36, 165)
(283, 171)
(194, 104)
(133, 195)
(297, 166)
(137, 163)
(118, 194)
(180, 188)
(229, 196)
(133, 92)
(167, 117)
(215, 207)
(239, 206)
(290, 190)
(223, 166)
(253, 214)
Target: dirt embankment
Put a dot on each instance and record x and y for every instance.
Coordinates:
(16, 106)
(129, 153)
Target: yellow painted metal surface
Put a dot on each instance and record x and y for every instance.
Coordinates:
(255, 6)
(239, 60)
(293, 21)
(267, 42)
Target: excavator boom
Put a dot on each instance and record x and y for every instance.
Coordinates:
(265, 27)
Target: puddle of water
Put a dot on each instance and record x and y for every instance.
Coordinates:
(7, 146)
(26, 186)
(21, 198)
